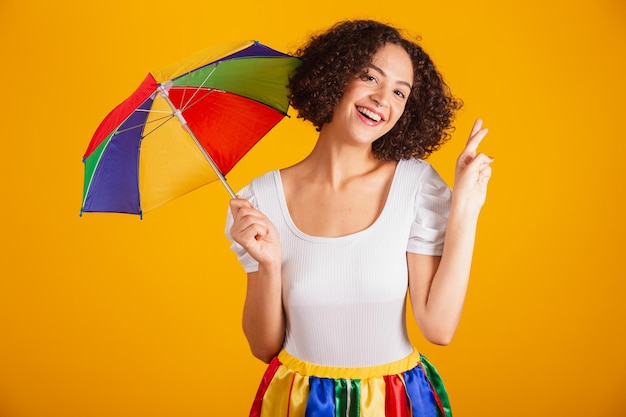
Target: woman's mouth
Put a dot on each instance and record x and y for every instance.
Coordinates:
(375, 117)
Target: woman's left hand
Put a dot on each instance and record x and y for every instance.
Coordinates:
(473, 171)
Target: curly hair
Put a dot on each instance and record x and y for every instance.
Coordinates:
(331, 59)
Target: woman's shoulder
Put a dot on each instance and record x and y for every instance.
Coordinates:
(422, 177)
(414, 163)
(417, 167)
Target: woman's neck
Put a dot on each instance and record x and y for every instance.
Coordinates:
(335, 161)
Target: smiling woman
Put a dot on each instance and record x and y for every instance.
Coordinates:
(107, 315)
(332, 243)
(346, 52)
(378, 95)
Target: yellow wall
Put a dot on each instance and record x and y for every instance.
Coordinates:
(107, 315)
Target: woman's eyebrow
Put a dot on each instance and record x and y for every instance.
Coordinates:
(384, 74)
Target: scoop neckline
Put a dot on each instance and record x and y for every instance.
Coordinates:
(313, 238)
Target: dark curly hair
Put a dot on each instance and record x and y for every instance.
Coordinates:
(331, 59)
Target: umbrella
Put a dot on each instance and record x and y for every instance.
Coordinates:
(185, 126)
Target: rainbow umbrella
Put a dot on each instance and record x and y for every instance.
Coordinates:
(185, 126)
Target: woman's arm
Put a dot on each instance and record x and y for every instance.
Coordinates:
(263, 316)
(438, 285)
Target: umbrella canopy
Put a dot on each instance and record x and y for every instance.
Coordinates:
(185, 126)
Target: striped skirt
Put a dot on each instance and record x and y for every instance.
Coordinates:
(410, 387)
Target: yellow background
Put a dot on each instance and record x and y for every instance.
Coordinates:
(109, 315)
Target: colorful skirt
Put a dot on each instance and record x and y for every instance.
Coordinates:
(410, 387)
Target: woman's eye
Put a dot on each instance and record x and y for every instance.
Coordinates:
(367, 77)
(400, 94)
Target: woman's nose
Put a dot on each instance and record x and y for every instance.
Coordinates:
(379, 99)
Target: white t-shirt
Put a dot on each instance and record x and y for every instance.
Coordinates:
(345, 297)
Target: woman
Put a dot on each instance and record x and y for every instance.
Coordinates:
(332, 244)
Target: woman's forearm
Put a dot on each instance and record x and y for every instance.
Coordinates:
(441, 309)
(263, 316)
(444, 304)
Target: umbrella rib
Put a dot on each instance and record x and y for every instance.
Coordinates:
(189, 104)
(153, 111)
(166, 118)
(201, 86)
(178, 113)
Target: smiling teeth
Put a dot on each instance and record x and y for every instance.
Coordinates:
(369, 114)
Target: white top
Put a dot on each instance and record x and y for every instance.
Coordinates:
(345, 297)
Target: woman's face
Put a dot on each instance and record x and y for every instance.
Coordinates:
(374, 99)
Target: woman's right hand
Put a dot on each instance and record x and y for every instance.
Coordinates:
(263, 317)
(255, 232)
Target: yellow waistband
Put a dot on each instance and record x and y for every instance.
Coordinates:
(321, 371)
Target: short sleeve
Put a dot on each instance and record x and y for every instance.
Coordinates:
(432, 205)
(248, 262)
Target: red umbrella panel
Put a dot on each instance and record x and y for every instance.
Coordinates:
(185, 126)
